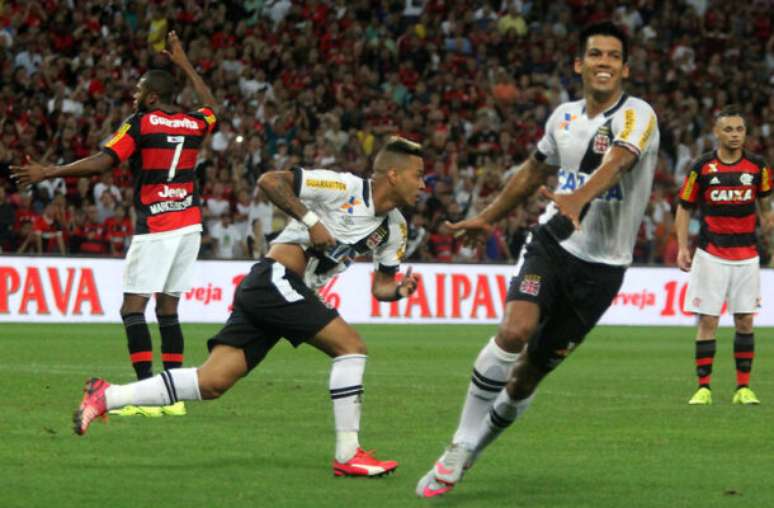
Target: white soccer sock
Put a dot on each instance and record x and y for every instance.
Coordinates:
(490, 372)
(166, 388)
(346, 387)
(502, 414)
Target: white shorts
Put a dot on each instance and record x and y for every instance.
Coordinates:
(162, 264)
(713, 281)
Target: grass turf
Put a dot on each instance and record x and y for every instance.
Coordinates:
(611, 427)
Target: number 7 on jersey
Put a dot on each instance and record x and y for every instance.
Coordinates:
(179, 141)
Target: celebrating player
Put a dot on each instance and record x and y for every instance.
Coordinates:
(604, 148)
(725, 185)
(337, 216)
(162, 147)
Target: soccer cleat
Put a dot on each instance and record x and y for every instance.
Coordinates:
(447, 471)
(92, 406)
(702, 397)
(363, 463)
(176, 409)
(147, 411)
(430, 486)
(745, 396)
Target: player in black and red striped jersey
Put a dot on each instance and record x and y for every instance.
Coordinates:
(161, 145)
(725, 185)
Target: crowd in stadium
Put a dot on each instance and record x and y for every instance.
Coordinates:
(323, 83)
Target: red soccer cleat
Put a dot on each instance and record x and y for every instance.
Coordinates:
(92, 406)
(364, 464)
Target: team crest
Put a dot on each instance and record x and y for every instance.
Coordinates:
(376, 237)
(713, 168)
(530, 285)
(697, 302)
(602, 140)
(746, 179)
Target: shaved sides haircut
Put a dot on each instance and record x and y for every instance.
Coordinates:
(393, 152)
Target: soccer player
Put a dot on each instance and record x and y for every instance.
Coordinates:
(724, 185)
(337, 216)
(162, 146)
(604, 148)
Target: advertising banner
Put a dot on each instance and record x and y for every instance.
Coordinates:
(69, 290)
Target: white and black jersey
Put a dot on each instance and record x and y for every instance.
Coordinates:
(344, 204)
(576, 144)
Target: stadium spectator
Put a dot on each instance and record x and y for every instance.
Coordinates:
(724, 185)
(118, 231)
(228, 238)
(163, 145)
(49, 234)
(7, 219)
(604, 148)
(75, 75)
(276, 299)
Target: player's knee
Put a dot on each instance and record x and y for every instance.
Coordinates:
(515, 335)
(353, 345)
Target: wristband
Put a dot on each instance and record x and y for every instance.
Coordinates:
(398, 296)
(310, 219)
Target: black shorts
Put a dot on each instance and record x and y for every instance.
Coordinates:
(572, 295)
(270, 303)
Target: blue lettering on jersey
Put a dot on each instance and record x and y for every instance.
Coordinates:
(571, 180)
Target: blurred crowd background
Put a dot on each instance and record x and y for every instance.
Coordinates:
(321, 84)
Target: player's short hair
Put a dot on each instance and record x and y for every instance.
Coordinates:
(730, 110)
(605, 28)
(395, 146)
(162, 83)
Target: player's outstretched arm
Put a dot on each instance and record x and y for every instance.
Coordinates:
(616, 161)
(176, 53)
(34, 172)
(278, 187)
(387, 288)
(530, 176)
(682, 218)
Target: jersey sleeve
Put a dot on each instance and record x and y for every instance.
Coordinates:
(388, 256)
(689, 192)
(123, 143)
(764, 189)
(320, 185)
(208, 115)
(547, 150)
(634, 126)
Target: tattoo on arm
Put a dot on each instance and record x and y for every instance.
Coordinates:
(280, 192)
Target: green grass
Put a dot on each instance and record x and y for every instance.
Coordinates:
(611, 427)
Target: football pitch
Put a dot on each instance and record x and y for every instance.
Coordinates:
(610, 428)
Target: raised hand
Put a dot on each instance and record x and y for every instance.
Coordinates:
(174, 50)
(30, 173)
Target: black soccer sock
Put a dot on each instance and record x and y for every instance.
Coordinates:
(705, 354)
(744, 352)
(140, 345)
(171, 341)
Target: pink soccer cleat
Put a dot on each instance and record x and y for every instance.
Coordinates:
(364, 464)
(92, 406)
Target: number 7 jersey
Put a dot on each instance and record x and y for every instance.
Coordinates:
(162, 149)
